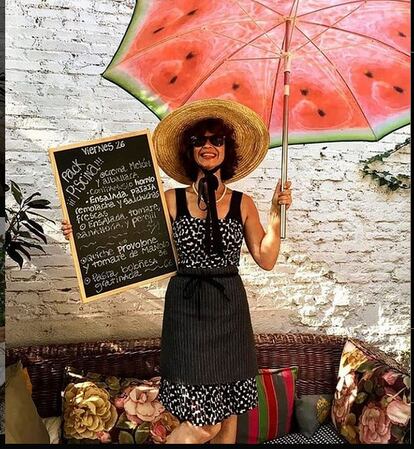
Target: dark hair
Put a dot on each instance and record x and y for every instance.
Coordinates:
(218, 127)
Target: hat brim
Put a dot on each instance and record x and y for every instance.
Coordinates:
(251, 135)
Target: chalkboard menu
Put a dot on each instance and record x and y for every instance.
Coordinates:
(112, 195)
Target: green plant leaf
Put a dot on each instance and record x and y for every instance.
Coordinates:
(34, 231)
(142, 432)
(15, 256)
(30, 198)
(17, 193)
(39, 215)
(31, 245)
(399, 181)
(34, 224)
(39, 204)
(125, 438)
(24, 234)
(17, 247)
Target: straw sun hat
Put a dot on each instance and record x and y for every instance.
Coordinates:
(251, 135)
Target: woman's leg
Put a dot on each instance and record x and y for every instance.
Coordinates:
(227, 433)
(187, 433)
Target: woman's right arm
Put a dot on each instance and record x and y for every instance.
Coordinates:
(170, 199)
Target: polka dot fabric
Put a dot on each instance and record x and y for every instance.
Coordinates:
(189, 233)
(208, 404)
(326, 434)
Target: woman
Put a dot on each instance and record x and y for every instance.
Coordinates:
(208, 361)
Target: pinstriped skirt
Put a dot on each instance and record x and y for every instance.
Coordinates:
(207, 336)
(208, 358)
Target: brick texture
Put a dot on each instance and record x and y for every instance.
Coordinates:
(343, 269)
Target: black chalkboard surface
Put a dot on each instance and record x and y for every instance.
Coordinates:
(112, 195)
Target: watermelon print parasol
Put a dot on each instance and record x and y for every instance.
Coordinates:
(315, 70)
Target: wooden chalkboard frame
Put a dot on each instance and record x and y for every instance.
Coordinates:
(52, 151)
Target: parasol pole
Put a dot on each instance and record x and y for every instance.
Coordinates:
(285, 122)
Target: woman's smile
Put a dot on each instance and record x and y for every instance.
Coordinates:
(208, 154)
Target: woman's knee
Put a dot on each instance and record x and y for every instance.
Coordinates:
(207, 432)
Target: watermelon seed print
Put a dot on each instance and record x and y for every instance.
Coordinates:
(349, 62)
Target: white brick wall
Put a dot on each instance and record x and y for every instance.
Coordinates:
(344, 268)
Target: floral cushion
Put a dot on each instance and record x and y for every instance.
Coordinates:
(372, 399)
(108, 409)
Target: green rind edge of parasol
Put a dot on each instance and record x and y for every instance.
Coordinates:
(140, 10)
(160, 109)
(360, 135)
(145, 96)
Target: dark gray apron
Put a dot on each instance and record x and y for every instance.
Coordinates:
(207, 335)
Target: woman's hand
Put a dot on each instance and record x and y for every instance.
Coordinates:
(66, 229)
(280, 197)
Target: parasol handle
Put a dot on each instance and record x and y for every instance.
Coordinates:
(282, 188)
(285, 124)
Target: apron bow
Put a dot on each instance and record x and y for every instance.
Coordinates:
(193, 285)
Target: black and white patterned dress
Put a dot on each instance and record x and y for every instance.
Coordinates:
(206, 404)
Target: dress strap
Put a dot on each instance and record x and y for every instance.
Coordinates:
(181, 202)
(235, 205)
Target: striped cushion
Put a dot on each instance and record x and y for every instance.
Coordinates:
(272, 417)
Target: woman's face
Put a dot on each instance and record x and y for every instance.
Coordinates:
(208, 155)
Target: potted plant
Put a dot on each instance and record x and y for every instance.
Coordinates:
(23, 233)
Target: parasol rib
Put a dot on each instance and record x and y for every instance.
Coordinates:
(328, 27)
(356, 34)
(267, 7)
(257, 23)
(254, 59)
(349, 3)
(249, 44)
(342, 78)
(217, 66)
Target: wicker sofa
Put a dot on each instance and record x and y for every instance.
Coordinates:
(317, 357)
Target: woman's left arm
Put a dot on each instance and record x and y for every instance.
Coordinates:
(264, 245)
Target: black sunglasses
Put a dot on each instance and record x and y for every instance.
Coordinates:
(199, 141)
